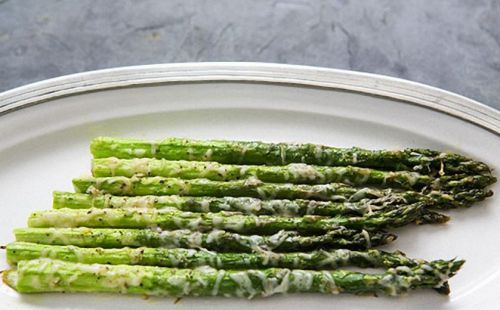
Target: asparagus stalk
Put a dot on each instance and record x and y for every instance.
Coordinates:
(190, 258)
(134, 186)
(292, 173)
(172, 219)
(245, 205)
(258, 153)
(46, 275)
(217, 240)
(123, 186)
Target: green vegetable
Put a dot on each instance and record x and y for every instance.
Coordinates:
(190, 258)
(157, 217)
(134, 186)
(292, 173)
(259, 153)
(244, 205)
(247, 224)
(217, 240)
(203, 187)
(46, 275)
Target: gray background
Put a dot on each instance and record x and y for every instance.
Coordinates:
(454, 45)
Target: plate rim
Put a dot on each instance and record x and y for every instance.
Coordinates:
(264, 73)
(149, 79)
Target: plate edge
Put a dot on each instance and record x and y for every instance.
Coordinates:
(359, 82)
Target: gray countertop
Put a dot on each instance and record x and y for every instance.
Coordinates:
(451, 44)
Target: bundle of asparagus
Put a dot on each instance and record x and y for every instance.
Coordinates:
(183, 217)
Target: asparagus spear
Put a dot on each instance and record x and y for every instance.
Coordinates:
(203, 187)
(292, 173)
(46, 275)
(173, 219)
(245, 205)
(190, 258)
(134, 186)
(258, 153)
(217, 240)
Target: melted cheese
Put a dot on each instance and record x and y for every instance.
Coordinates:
(366, 235)
(139, 152)
(205, 205)
(283, 154)
(235, 224)
(185, 187)
(172, 168)
(112, 163)
(171, 239)
(154, 148)
(214, 235)
(190, 153)
(248, 205)
(305, 172)
(252, 181)
(354, 158)
(311, 206)
(195, 240)
(388, 282)
(220, 276)
(262, 193)
(245, 286)
(194, 224)
(318, 152)
(277, 239)
(179, 281)
(160, 201)
(48, 252)
(330, 286)
(141, 202)
(217, 221)
(278, 285)
(302, 280)
(360, 194)
(208, 154)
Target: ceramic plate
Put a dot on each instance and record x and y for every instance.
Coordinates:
(46, 128)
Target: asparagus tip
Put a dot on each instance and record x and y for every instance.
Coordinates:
(432, 217)
(443, 289)
(455, 265)
(447, 269)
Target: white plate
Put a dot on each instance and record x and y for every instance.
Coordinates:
(46, 127)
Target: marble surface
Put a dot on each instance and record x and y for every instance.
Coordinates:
(451, 44)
